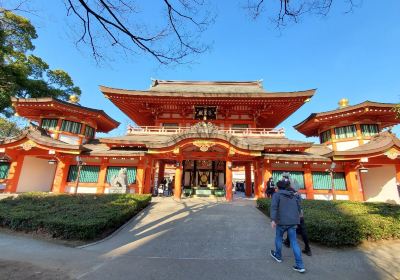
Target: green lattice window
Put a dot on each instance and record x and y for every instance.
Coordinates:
(325, 136)
(89, 173)
(369, 129)
(322, 181)
(89, 131)
(4, 168)
(345, 132)
(49, 123)
(297, 177)
(69, 126)
(113, 171)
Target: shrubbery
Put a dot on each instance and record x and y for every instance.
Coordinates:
(81, 217)
(346, 223)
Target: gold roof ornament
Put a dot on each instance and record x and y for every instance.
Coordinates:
(74, 99)
(343, 103)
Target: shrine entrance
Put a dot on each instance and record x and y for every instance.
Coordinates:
(204, 177)
(201, 168)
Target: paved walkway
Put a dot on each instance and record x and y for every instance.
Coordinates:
(198, 239)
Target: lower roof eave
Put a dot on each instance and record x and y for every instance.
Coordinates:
(117, 155)
(304, 158)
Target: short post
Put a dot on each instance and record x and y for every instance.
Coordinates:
(331, 172)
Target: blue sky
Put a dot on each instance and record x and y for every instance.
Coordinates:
(354, 55)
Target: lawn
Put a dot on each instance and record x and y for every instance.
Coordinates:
(80, 217)
(346, 223)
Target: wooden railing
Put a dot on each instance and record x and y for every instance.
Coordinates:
(249, 132)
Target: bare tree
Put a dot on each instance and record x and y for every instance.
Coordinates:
(176, 35)
(128, 25)
(284, 11)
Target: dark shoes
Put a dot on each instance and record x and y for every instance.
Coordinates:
(279, 260)
(273, 255)
(307, 252)
(301, 270)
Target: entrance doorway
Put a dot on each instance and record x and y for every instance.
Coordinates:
(204, 177)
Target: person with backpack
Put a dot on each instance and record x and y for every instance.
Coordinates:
(285, 215)
(301, 228)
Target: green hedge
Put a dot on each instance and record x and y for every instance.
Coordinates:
(346, 223)
(80, 217)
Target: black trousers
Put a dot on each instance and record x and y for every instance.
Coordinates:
(301, 229)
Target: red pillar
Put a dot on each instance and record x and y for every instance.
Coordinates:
(102, 176)
(228, 180)
(352, 183)
(147, 180)
(140, 178)
(248, 179)
(267, 173)
(256, 179)
(398, 173)
(60, 178)
(178, 180)
(14, 173)
(308, 182)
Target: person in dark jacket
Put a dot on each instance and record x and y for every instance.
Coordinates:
(301, 229)
(270, 187)
(285, 216)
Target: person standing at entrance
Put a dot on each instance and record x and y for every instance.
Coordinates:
(285, 216)
(270, 187)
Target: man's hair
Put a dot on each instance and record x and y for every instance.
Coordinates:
(283, 185)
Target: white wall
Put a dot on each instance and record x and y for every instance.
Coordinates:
(330, 197)
(343, 146)
(380, 184)
(36, 175)
(70, 189)
(74, 140)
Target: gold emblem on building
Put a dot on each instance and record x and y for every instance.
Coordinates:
(204, 146)
(392, 153)
(28, 145)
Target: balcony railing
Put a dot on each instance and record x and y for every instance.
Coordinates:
(248, 132)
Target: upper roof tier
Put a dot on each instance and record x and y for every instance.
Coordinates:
(207, 87)
(37, 108)
(268, 109)
(368, 112)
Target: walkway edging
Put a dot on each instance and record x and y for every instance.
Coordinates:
(116, 231)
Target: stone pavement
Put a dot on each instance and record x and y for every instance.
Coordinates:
(198, 239)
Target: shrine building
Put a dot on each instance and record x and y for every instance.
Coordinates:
(200, 134)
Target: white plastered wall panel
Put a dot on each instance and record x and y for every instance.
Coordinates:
(379, 184)
(71, 189)
(37, 175)
(346, 145)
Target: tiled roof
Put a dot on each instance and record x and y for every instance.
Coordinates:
(95, 148)
(39, 136)
(249, 143)
(104, 122)
(379, 143)
(296, 157)
(381, 112)
(198, 91)
(207, 86)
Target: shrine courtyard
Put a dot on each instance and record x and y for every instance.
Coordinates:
(191, 239)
